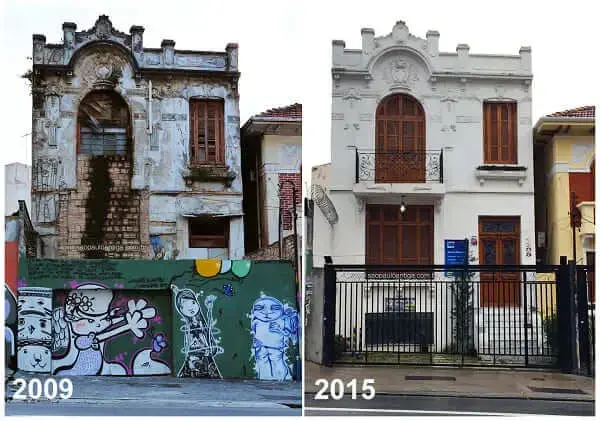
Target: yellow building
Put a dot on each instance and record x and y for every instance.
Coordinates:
(564, 158)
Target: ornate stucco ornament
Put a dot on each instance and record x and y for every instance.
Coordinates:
(402, 73)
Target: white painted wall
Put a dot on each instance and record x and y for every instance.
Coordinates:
(452, 88)
(280, 154)
(17, 181)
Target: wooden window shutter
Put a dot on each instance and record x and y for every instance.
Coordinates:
(500, 132)
(207, 132)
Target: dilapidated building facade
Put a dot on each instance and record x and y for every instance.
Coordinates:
(136, 151)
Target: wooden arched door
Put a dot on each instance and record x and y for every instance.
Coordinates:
(400, 140)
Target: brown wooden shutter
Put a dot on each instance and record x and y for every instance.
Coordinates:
(207, 140)
(500, 132)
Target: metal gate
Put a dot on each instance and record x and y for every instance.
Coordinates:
(447, 315)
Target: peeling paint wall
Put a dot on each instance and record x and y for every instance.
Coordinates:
(188, 318)
(156, 86)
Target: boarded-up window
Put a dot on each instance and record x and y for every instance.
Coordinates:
(500, 132)
(207, 138)
(208, 232)
(396, 238)
(103, 121)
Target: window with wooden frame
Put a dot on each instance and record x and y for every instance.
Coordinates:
(208, 232)
(207, 132)
(103, 125)
(396, 238)
(500, 132)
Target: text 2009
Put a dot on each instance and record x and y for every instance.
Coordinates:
(49, 389)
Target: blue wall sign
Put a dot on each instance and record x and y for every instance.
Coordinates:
(455, 253)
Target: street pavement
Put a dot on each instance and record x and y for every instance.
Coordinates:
(411, 390)
(406, 405)
(164, 395)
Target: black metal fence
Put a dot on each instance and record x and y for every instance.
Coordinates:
(445, 315)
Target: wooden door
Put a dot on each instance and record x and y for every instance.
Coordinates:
(499, 244)
(400, 140)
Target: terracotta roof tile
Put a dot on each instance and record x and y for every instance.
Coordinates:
(293, 111)
(587, 111)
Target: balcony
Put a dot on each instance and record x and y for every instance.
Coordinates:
(402, 172)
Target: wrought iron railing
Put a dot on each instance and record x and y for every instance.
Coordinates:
(400, 167)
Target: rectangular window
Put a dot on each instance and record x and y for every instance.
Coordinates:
(207, 132)
(500, 132)
(208, 232)
(397, 238)
(103, 141)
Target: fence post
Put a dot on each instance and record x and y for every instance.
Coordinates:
(329, 316)
(356, 165)
(584, 328)
(566, 316)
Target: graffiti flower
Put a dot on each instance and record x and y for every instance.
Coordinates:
(228, 290)
(159, 343)
(80, 302)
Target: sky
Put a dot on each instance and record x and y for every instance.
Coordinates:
(285, 47)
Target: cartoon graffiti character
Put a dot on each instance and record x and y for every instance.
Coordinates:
(34, 329)
(10, 322)
(84, 325)
(144, 363)
(272, 325)
(201, 343)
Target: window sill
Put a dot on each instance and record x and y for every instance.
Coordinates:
(208, 172)
(501, 172)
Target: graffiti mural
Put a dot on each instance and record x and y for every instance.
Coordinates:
(274, 328)
(87, 322)
(10, 322)
(194, 318)
(34, 336)
(163, 248)
(201, 337)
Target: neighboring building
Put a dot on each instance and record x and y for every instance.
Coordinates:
(565, 170)
(17, 181)
(136, 150)
(429, 146)
(20, 241)
(272, 170)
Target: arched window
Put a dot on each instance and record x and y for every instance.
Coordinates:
(103, 124)
(400, 140)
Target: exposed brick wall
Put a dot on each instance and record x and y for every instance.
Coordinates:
(104, 210)
(287, 198)
(271, 252)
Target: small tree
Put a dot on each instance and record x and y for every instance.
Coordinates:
(463, 314)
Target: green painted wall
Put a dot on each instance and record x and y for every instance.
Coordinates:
(205, 318)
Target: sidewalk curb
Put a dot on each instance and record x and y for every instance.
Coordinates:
(472, 396)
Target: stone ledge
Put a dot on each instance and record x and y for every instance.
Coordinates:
(501, 172)
(210, 172)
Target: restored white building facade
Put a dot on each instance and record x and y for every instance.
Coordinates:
(428, 146)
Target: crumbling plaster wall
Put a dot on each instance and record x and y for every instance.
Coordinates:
(160, 160)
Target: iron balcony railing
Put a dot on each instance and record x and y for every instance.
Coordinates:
(400, 167)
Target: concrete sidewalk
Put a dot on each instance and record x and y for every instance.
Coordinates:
(463, 382)
(160, 391)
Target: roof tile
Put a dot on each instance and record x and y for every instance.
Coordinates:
(291, 111)
(587, 111)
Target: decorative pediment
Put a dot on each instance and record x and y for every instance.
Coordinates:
(102, 30)
(101, 65)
